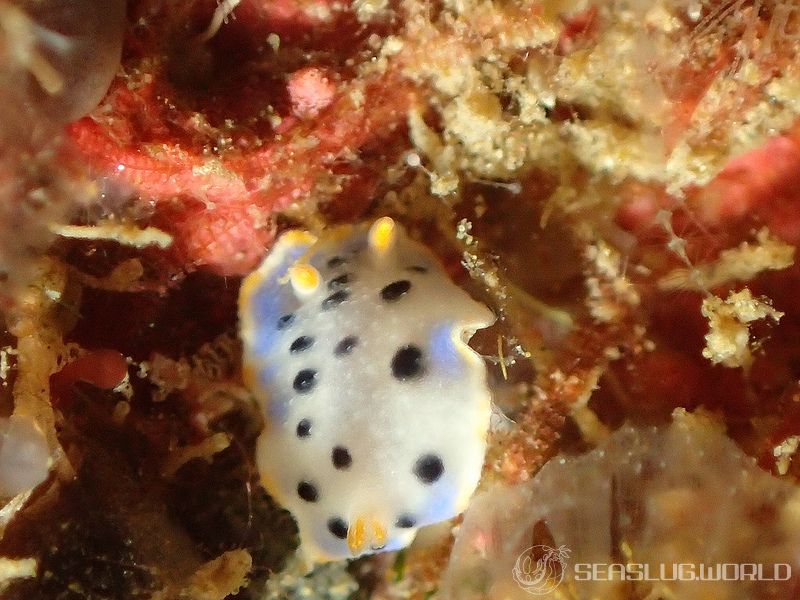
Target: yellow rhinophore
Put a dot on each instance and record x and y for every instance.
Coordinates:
(356, 536)
(378, 534)
(253, 282)
(305, 279)
(382, 235)
(359, 535)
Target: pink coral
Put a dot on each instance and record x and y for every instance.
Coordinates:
(310, 91)
(763, 182)
(216, 164)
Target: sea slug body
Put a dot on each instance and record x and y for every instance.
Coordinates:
(376, 409)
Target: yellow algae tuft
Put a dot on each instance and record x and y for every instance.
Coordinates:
(610, 291)
(13, 569)
(215, 580)
(123, 233)
(205, 449)
(784, 453)
(742, 263)
(728, 340)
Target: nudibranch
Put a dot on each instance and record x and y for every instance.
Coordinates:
(376, 409)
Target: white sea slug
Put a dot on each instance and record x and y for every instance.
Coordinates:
(376, 409)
